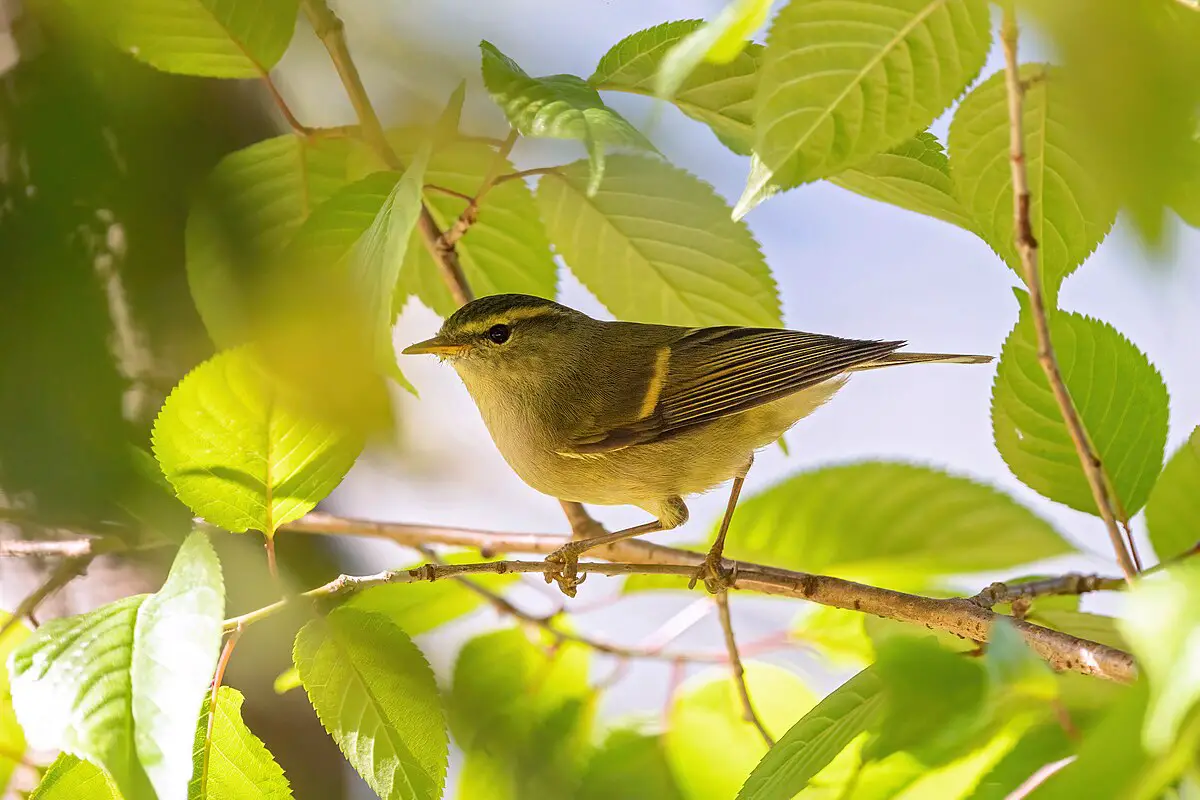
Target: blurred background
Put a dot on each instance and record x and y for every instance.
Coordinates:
(100, 155)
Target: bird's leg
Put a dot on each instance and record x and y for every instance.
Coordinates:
(714, 577)
(568, 555)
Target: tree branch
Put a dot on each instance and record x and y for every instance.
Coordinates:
(739, 672)
(470, 214)
(1071, 583)
(68, 570)
(1027, 247)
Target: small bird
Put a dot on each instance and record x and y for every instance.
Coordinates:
(628, 413)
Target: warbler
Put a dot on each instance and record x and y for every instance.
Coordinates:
(629, 413)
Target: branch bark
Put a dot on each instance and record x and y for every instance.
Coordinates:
(1027, 248)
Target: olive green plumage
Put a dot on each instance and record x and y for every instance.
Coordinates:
(617, 413)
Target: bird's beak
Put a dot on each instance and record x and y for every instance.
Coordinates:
(436, 346)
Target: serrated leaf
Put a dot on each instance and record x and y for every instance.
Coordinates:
(71, 778)
(558, 107)
(914, 175)
(717, 41)
(122, 685)
(1120, 397)
(816, 739)
(238, 763)
(1069, 212)
(710, 746)
(505, 250)
(376, 695)
(12, 738)
(244, 213)
(1173, 510)
(630, 765)
(883, 520)
(719, 95)
(656, 244)
(237, 453)
(843, 80)
(214, 38)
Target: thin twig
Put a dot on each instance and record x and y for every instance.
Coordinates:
(282, 105)
(470, 214)
(1071, 583)
(218, 677)
(525, 173)
(433, 187)
(1027, 247)
(68, 570)
(739, 672)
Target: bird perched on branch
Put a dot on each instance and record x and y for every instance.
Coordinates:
(626, 413)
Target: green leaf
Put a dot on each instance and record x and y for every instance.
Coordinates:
(214, 38)
(719, 95)
(842, 80)
(1043, 745)
(915, 175)
(122, 685)
(1162, 623)
(244, 213)
(1120, 397)
(1015, 672)
(12, 738)
(1069, 212)
(376, 695)
(883, 520)
(558, 107)
(816, 739)
(710, 747)
(238, 763)
(70, 778)
(286, 681)
(656, 244)
(522, 715)
(838, 634)
(1174, 505)
(237, 453)
(1094, 627)
(630, 765)
(505, 250)
(718, 41)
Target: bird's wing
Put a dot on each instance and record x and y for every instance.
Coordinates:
(709, 373)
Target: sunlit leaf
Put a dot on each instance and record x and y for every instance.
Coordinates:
(718, 41)
(233, 762)
(842, 80)
(838, 634)
(656, 244)
(1015, 672)
(558, 107)
(122, 685)
(238, 455)
(71, 778)
(215, 38)
(1173, 510)
(631, 765)
(1069, 212)
(914, 175)
(710, 746)
(881, 520)
(1120, 397)
(1039, 747)
(375, 694)
(12, 738)
(814, 741)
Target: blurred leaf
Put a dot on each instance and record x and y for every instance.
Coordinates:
(1132, 68)
(718, 41)
(719, 95)
(1069, 212)
(215, 38)
(123, 685)
(1015, 673)
(245, 212)
(236, 452)
(522, 715)
(1042, 745)
(286, 681)
(376, 695)
(838, 634)
(816, 739)
(629, 765)
(914, 175)
(558, 107)
(12, 738)
(842, 81)
(1162, 623)
(876, 520)
(1173, 510)
(505, 250)
(239, 764)
(656, 244)
(710, 747)
(959, 777)
(1094, 627)
(1120, 397)
(1187, 195)
(70, 778)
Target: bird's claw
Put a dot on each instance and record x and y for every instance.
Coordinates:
(567, 575)
(716, 579)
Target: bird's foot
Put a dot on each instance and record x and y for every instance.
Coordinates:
(716, 578)
(567, 573)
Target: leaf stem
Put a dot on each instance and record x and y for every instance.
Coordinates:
(739, 672)
(218, 677)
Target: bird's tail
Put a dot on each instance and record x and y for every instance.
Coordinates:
(892, 359)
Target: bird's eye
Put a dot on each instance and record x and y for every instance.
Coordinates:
(499, 333)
